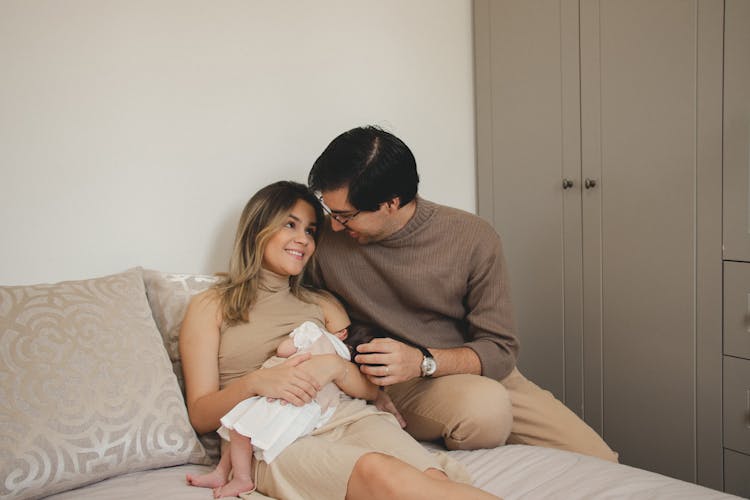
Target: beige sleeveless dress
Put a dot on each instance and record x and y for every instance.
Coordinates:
(317, 465)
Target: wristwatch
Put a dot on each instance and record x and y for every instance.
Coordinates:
(429, 365)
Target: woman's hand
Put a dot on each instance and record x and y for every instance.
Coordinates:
(325, 368)
(288, 381)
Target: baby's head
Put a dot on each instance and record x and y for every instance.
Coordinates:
(362, 333)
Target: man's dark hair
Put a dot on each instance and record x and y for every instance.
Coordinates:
(374, 164)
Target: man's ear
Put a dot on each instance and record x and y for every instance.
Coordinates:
(393, 204)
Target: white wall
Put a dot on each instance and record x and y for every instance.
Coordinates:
(133, 131)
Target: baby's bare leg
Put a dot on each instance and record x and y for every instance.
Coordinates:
(241, 452)
(217, 477)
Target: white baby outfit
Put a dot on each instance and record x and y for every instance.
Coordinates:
(273, 426)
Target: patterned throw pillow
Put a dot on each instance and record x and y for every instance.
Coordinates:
(169, 295)
(86, 387)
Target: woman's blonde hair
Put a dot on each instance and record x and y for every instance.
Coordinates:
(265, 213)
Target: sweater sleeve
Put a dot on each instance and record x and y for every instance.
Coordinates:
(490, 318)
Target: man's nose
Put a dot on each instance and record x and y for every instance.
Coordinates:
(336, 225)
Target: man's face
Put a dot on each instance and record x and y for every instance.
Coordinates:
(364, 227)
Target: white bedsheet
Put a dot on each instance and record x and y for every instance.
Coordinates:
(513, 472)
(530, 473)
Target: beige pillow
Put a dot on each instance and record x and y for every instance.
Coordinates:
(169, 295)
(86, 387)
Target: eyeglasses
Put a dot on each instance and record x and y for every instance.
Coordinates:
(341, 218)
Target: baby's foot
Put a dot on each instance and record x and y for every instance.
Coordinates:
(213, 479)
(234, 487)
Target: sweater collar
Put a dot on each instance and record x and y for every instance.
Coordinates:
(424, 211)
(272, 282)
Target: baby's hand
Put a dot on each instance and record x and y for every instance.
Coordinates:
(342, 334)
(286, 348)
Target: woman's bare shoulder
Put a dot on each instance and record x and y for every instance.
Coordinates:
(206, 304)
(334, 312)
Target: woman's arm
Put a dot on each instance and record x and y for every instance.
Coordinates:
(355, 384)
(333, 368)
(348, 377)
(199, 351)
(334, 314)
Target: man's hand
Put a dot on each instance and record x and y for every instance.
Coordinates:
(386, 361)
(383, 403)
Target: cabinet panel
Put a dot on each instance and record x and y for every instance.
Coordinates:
(737, 404)
(737, 309)
(640, 66)
(737, 131)
(708, 247)
(527, 94)
(737, 473)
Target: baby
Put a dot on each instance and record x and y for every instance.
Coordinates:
(262, 427)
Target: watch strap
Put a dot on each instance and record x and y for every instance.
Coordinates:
(425, 352)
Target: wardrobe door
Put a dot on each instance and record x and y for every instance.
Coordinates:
(641, 138)
(528, 136)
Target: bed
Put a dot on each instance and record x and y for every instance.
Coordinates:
(93, 406)
(511, 472)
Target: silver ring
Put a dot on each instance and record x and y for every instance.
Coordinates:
(387, 369)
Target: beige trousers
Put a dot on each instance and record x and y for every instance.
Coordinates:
(471, 411)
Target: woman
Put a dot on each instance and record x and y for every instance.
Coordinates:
(231, 329)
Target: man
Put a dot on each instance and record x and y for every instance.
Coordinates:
(435, 278)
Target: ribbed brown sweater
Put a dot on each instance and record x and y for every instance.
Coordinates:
(440, 281)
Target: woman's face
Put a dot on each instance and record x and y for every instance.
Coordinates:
(290, 247)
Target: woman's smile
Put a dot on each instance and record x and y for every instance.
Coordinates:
(297, 254)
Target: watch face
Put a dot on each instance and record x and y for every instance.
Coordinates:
(429, 366)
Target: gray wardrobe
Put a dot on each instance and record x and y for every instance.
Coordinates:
(602, 128)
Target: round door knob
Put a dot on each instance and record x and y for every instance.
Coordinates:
(567, 183)
(589, 183)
